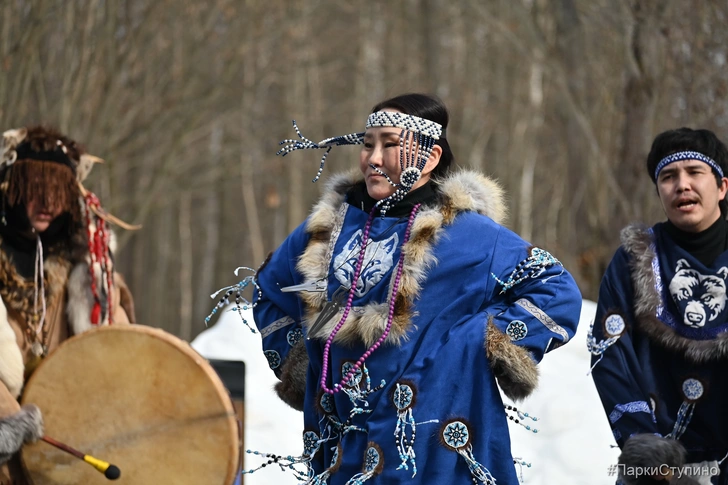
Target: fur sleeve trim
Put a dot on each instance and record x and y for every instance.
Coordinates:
(292, 388)
(513, 367)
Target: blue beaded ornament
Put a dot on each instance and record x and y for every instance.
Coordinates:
(241, 304)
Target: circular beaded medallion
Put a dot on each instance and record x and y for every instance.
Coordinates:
(372, 459)
(517, 330)
(356, 378)
(310, 443)
(274, 358)
(614, 325)
(403, 396)
(456, 435)
(294, 336)
(327, 402)
(692, 389)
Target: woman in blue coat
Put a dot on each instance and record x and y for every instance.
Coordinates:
(392, 311)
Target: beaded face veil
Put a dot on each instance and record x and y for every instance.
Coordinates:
(416, 141)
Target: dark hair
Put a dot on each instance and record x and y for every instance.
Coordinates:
(686, 139)
(430, 108)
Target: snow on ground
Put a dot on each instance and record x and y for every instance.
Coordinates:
(574, 442)
(573, 445)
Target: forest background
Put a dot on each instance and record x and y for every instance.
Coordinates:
(187, 101)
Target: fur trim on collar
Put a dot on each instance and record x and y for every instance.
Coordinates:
(472, 191)
(460, 192)
(637, 241)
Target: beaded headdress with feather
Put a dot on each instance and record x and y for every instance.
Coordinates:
(416, 141)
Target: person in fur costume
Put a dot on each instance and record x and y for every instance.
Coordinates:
(391, 312)
(56, 272)
(659, 337)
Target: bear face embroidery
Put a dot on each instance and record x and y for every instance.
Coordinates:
(378, 260)
(701, 298)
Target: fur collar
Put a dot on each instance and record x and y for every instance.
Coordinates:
(512, 365)
(460, 192)
(637, 241)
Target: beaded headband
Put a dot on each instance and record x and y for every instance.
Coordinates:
(416, 142)
(395, 119)
(687, 155)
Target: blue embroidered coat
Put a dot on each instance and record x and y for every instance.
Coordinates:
(427, 398)
(659, 344)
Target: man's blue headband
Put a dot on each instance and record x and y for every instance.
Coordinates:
(687, 155)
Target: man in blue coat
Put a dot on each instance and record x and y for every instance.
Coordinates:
(659, 340)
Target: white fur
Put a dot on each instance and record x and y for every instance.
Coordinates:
(11, 360)
(10, 140)
(80, 298)
(472, 191)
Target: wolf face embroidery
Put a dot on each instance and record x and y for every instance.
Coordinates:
(700, 297)
(378, 260)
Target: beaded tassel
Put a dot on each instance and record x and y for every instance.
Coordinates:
(684, 415)
(455, 435)
(321, 478)
(241, 304)
(403, 399)
(311, 444)
(598, 348)
(692, 390)
(480, 473)
(285, 463)
(360, 478)
(518, 461)
(614, 326)
(520, 417)
(357, 395)
(414, 151)
(304, 143)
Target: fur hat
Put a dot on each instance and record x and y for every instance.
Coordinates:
(46, 144)
(41, 164)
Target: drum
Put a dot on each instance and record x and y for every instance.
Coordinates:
(136, 397)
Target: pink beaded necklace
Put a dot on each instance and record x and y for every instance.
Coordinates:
(395, 290)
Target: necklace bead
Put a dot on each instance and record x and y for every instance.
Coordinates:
(347, 309)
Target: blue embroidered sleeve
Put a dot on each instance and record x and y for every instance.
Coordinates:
(277, 314)
(616, 368)
(535, 300)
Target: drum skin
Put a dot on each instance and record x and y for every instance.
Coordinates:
(136, 397)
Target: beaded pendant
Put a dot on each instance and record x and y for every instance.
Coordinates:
(404, 398)
(614, 327)
(693, 390)
(455, 435)
(373, 465)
